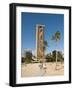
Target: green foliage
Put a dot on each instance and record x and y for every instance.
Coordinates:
(54, 54)
(56, 36)
(45, 45)
(22, 60)
(60, 57)
(28, 57)
(52, 57)
(49, 58)
(27, 60)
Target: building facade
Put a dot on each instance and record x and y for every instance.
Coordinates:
(40, 42)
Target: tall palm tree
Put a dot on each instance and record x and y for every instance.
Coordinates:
(56, 37)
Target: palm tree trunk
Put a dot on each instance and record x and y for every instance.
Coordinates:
(56, 55)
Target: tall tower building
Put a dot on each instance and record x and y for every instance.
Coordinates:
(40, 42)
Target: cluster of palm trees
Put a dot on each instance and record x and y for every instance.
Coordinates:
(56, 37)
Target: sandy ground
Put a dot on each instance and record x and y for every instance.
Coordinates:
(35, 69)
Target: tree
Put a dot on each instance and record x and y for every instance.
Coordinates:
(22, 60)
(45, 44)
(60, 57)
(28, 57)
(49, 58)
(54, 55)
(56, 37)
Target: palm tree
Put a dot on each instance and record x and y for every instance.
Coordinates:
(56, 37)
(45, 45)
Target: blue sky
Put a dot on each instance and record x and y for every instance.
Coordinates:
(52, 22)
